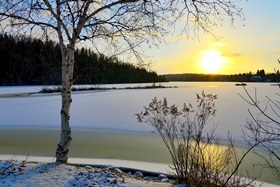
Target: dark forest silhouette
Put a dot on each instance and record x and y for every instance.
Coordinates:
(259, 76)
(31, 61)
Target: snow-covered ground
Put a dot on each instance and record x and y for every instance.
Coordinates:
(145, 166)
(42, 171)
(33, 174)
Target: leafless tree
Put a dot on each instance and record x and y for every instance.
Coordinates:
(122, 24)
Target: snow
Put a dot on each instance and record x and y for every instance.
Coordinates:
(39, 172)
(145, 166)
(27, 174)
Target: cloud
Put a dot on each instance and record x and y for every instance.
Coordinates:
(220, 45)
(271, 38)
(232, 54)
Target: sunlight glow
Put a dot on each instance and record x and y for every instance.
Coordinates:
(211, 61)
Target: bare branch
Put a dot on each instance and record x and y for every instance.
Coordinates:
(265, 134)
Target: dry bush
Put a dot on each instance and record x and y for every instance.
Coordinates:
(263, 130)
(199, 158)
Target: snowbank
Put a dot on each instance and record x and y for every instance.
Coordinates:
(21, 173)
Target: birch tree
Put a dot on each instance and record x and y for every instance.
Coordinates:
(122, 25)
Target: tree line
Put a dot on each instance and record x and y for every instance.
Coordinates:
(259, 76)
(32, 61)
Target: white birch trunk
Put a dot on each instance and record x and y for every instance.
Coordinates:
(67, 82)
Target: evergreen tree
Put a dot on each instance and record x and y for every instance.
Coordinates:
(31, 61)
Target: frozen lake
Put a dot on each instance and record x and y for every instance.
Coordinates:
(104, 124)
(115, 109)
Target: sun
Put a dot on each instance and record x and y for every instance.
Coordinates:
(211, 61)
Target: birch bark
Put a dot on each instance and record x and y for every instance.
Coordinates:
(67, 82)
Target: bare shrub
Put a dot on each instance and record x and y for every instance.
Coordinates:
(199, 157)
(263, 130)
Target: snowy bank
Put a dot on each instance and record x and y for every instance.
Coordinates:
(29, 173)
(43, 171)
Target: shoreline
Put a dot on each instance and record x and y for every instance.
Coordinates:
(149, 168)
(39, 171)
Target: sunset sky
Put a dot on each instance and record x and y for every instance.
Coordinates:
(240, 49)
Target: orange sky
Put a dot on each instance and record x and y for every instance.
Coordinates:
(241, 49)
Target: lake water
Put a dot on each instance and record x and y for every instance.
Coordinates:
(104, 124)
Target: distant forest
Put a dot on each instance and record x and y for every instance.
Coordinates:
(31, 61)
(259, 76)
